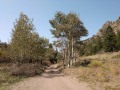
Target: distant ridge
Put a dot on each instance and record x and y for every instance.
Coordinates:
(115, 25)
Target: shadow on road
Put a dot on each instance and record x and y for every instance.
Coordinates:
(52, 72)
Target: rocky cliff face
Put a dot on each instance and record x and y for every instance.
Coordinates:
(115, 25)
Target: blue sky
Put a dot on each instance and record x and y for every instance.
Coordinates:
(93, 13)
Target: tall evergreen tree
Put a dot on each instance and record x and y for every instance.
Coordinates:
(99, 45)
(110, 40)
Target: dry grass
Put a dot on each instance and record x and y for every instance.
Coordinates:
(104, 56)
(95, 63)
(103, 75)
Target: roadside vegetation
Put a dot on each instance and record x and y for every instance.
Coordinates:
(100, 72)
(6, 79)
(99, 60)
(108, 41)
(27, 54)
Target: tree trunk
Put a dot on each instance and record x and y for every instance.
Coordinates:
(72, 42)
(68, 57)
(75, 56)
(64, 57)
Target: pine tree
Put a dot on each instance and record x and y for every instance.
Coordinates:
(110, 40)
(99, 45)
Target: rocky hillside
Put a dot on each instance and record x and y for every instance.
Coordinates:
(115, 25)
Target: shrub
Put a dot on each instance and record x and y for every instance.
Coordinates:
(5, 60)
(46, 63)
(82, 63)
(95, 63)
(76, 64)
(27, 70)
(85, 62)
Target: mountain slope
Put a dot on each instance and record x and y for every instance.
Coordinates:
(115, 25)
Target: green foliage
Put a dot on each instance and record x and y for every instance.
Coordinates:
(22, 38)
(94, 45)
(99, 44)
(67, 26)
(26, 44)
(110, 40)
(49, 51)
(81, 49)
(3, 49)
(50, 45)
(118, 40)
(70, 27)
(108, 43)
(27, 70)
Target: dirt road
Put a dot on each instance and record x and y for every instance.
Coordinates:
(52, 79)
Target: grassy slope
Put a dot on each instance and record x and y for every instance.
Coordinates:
(105, 56)
(101, 76)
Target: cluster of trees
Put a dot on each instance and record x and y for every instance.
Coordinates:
(108, 42)
(4, 52)
(26, 46)
(68, 29)
(3, 47)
